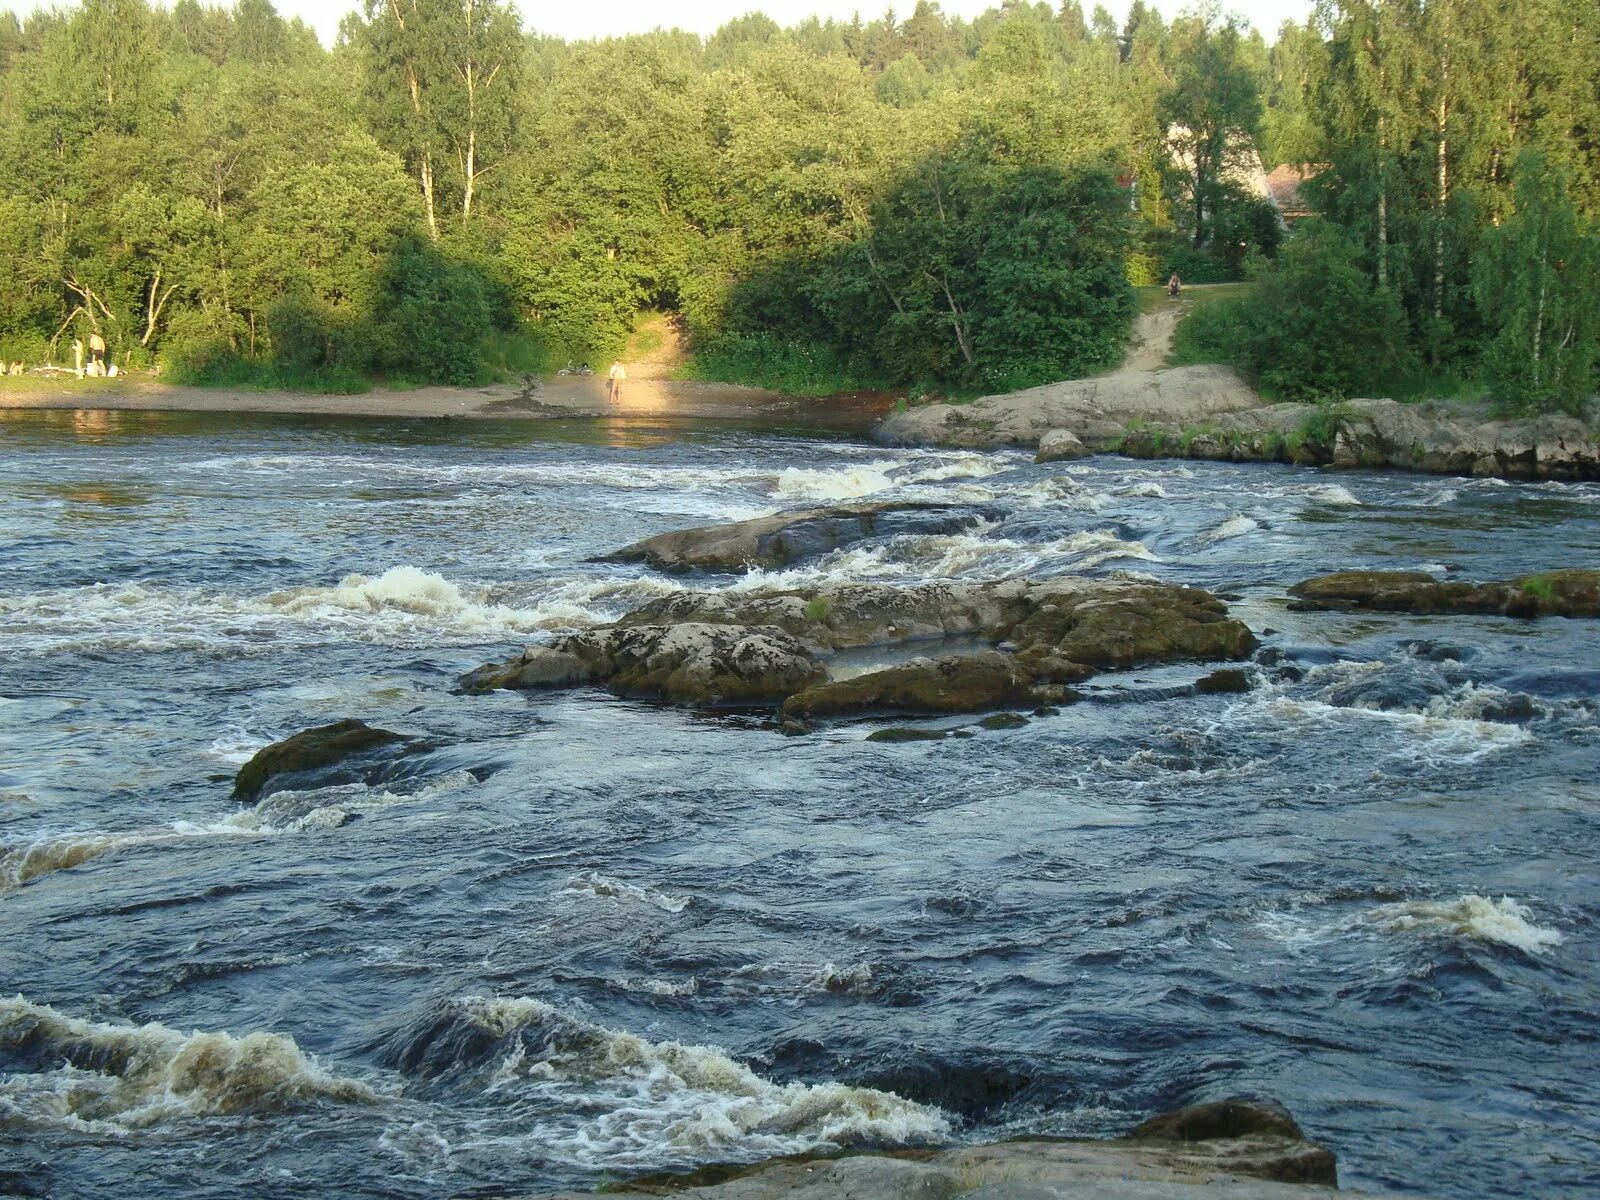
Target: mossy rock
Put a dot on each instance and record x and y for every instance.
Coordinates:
(956, 683)
(1004, 720)
(1572, 592)
(310, 751)
(907, 733)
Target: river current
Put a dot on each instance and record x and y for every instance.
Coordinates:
(586, 938)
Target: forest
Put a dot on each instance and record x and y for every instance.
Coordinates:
(913, 201)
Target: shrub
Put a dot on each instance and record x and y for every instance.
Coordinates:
(1313, 327)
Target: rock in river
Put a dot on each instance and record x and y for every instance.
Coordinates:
(1060, 445)
(691, 663)
(956, 683)
(755, 648)
(1232, 1150)
(786, 537)
(1567, 593)
(347, 751)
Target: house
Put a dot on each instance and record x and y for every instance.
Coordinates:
(1283, 186)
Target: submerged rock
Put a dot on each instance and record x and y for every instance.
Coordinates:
(783, 538)
(304, 759)
(1573, 592)
(1235, 1150)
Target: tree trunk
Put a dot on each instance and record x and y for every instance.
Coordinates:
(426, 171)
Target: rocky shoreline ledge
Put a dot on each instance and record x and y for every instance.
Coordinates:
(1234, 1149)
(1210, 412)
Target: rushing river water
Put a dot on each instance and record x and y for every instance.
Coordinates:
(588, 937)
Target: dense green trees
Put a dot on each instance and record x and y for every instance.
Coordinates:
(912, 199)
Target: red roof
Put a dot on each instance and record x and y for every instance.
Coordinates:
(1283, 184)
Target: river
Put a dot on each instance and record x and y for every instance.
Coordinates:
(586, 937)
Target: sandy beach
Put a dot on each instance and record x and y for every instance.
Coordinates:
(531, 399)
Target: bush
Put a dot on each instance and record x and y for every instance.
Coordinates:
(1313, 327)
(433, 316)
(1197, 266)
(767, 360)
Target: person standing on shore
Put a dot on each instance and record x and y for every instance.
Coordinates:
(97, 351)
(614, 381)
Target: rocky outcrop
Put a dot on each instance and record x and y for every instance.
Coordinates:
(1098, 411)
(692, 663)
(1565, 593)
(787, 537)
(1235, 1150)
(1195, 412)
(756, 648)
(1060, 445)
(842, 616)
(1263, 1139)
(347, 751)
(955, 683)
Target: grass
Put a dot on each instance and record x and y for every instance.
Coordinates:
(1198, 295)
(819, 609)
(1540, 586)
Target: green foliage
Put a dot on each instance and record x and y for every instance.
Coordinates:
(768, 360)
(818, 608)
(1313, 325)
(430, 319)
(922, 201)
(1538, 281)
(1540, 586)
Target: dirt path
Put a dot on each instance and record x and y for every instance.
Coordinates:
(1151, 339)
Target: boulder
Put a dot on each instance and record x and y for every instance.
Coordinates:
(535, 667)
(1573, 592)
(956, 683)
(1233, 1134)
(1236, 1150)
(784, 538)
(693, 663)
(1060, 445)
(1069, 627)
(347, 751)
(1223, 682)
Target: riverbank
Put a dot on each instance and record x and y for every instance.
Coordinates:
(561, 397)
(1210, 412)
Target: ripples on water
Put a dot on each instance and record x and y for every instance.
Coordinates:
(587, 937)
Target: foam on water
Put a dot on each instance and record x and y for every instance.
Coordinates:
(285, 812)
(1429, 739)
(605, 1098)
(1505, 921)
(975, 555)
(1235, 526)
(592, 883)
(403, 606)
(115, 1078)
(847, 483)
(1147, 489)
(1332, 493)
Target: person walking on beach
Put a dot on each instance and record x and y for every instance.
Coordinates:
(614, 380)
